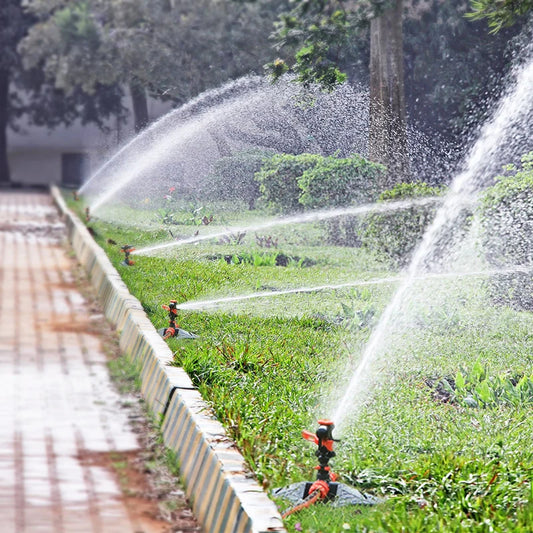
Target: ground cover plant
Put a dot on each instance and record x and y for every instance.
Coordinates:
(268, 368)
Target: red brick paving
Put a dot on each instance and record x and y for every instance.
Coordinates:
(57, 403)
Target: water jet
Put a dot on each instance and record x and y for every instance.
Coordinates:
(313, 216)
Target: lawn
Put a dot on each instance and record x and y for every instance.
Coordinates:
(443, 434)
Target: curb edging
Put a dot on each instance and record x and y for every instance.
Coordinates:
(223, 495)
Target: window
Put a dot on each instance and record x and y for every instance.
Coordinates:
(74, 168)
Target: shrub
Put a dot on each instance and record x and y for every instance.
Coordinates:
(337, 182)
(232, 177)
(291, 183)
(394, 235)
(278, 180)
(507, 225)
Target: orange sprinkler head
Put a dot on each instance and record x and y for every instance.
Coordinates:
(127, 249)
(172, 307)
(173, 329)
(325, 488)
(323, 438)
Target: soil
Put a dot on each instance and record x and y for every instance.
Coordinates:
(151, 491)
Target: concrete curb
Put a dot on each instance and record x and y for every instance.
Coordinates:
(223, 494)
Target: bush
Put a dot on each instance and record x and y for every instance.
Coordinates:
(340, 182)
(507, 226)
(278, 180)
(290, 183)
(232, 177)
(394, 235)
(337, 182)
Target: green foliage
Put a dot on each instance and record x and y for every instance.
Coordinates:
(33, 93)
(266, 370)
(189, 215)
(440, 45)
(279, 180)
(319, 33)
(507, 224)
(499, 13)
(513, 186)
(165, 48)
(335, 182)
(394, 235)
(475, 387)
(359, 311)
(232, 177)
(77, 26)
(339, 182)
(289, 183)
(266, 258)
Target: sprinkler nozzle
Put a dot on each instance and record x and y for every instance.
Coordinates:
(323, 438)
(127, 249)
(173, 328)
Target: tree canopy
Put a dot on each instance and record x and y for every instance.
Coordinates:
(499, 13)
(28, 93)
(170, 50)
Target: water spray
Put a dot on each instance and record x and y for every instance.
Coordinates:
(325, 488)
(312, 216)
(127, 249)
(173, 329)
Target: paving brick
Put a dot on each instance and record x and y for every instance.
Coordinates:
(56, 400)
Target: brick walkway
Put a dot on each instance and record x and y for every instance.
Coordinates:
(58, 409)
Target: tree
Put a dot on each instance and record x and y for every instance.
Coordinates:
(320, 30)
(499, 13)
(14, 25)
(27, 93)
(168, 49)
(388, 127)
(82, 45)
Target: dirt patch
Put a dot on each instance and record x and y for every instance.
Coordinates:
(151, 508)
(151, 489)
(73, 326)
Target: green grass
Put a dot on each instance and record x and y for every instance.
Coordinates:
(269, 366)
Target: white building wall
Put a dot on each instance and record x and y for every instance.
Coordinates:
(35, 153)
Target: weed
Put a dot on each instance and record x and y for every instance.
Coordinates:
(475, 387)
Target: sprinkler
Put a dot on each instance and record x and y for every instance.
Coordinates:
(127, 249)
(323, 438)
(87, 214)
(325, 488)
(173, 329)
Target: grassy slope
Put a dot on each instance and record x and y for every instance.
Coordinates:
(266, 367)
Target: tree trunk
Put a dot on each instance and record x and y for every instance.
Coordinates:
(388, 130)
(4, 93)
(140, 106)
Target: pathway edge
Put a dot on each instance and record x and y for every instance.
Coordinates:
(223, 494)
